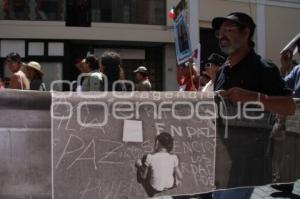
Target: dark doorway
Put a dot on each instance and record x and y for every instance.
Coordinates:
(74, 51)
(78, 13)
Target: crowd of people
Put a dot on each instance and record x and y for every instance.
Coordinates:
(233, 74)
(105, 74)
(241, 77)
(24, 76)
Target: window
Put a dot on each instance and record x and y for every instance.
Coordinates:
(8, 46)
(150, 12)
(50, 10)
(42, 10)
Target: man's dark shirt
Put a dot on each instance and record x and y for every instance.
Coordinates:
(252, 73)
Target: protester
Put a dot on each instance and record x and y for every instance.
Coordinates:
(111, 67)
(18, 78)
(82, 68)
(187, 78)
(34, 73)
(212, 65)
(246, 77)
(94, 80)
(293, 78)
(142, 77)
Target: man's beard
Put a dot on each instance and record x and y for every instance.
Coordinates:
(228, 50)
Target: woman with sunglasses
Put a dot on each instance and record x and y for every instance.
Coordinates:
(211, 67)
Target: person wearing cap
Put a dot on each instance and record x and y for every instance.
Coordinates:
(245, 76)
(292, 78)
(212, 65)
(34, 73)
(94, 80)
(18, 79)
(142, 77)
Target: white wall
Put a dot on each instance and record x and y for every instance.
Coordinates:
(170, 82)
(282, 24)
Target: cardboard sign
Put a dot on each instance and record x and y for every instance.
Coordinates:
(244, 159)
(182, 40)
(133, 131)
(95, 157)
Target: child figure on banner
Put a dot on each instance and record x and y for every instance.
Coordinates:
(159, 171)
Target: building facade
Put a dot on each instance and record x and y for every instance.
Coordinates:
(138, 29)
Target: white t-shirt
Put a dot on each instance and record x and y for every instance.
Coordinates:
(162, 167)
(93, 82)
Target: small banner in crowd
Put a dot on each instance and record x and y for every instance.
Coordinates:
(182, 40)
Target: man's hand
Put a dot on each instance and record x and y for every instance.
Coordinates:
(236, 94)
(286, 62)
(283, 105)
